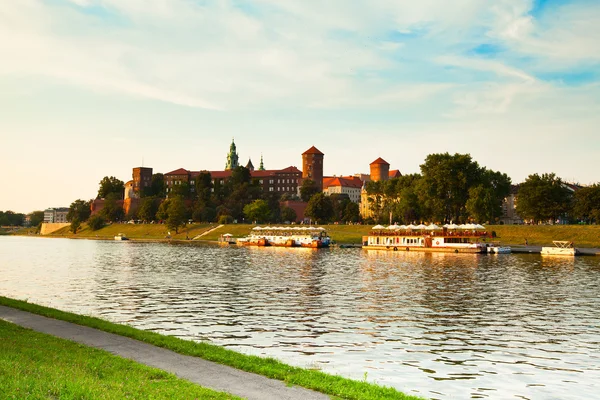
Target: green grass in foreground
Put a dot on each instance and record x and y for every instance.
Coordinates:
(316, 380)
(38, 366)
(134, 231)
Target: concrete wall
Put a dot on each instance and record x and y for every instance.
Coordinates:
(49, 228)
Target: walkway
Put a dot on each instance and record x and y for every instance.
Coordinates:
(207, 232)
(205, 373)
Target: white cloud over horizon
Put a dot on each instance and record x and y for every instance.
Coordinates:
(514, 84)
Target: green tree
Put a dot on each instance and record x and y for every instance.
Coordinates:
(163, 210)
(587, 204)
(444, 187)
(75, 225)
(204, 186)
(543, 198)
(351, 212)
(148, 209)
(319, 208)
(288, 214)
(79, 209)
(96, 222)
(176, 213)
(258, 211)
(375, 198)
(308, 189)
(36, 218)
(11, 218)
(112, 210)
(182, 190)
(110, 185)
(156, 188)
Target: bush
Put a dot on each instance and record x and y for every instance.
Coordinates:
(96, 222)
(225, 219)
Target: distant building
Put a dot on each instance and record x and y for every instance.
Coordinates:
(379, 171)
(345, 185)
(56, 215)
(142, 178)
(232, 157)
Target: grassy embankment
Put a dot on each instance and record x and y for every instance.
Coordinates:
(134, 231)
(537, 235)
(40, 366)
(312, 379)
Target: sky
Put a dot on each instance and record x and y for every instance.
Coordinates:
(93, 88)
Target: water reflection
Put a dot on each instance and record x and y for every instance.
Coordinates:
(439, 325)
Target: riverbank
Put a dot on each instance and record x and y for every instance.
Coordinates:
(536, 235)
(37, 365)
(271, 368)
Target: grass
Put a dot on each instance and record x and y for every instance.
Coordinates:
(34, 365)
(134, 231)
(316, 380)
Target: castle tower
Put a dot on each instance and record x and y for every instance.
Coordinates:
(262, 166)
(380, 170)
(232, 157)
(250, 166)
(312, 166)
(142, 178)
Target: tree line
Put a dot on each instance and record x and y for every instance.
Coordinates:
(449, 188)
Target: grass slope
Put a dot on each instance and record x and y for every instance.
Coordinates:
(135, 231)
(316, 380)
(38, 366)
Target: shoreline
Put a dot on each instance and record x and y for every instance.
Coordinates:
(333, 385)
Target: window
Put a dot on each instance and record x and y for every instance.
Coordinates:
(271, 181)
(271, 189)
(260, 181)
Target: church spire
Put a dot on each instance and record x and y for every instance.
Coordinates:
(261, 167)
(232, 157)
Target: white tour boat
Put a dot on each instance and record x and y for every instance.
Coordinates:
(287, 236)
(560, 248)
(469, 238)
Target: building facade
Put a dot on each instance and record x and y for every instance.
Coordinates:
(312, 166)
(56, 215)
(345, 185)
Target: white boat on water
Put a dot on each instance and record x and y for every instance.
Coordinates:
(120, 236)
(560, 248)
(468, 238)
(497, 248)
(286, 236)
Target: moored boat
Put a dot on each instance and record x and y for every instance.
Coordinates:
(560, 248)
(496, 248)
(285, 236)
(120, 236)
(469, 238)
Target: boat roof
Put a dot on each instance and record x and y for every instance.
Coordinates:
(562, 243)
(287, 228)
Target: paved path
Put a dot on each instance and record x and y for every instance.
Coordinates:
(206, 232)
(197, 370)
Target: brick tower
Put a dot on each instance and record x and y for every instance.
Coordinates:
(312, 166)
(380, 170)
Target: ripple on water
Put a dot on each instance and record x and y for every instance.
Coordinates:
(437, 325)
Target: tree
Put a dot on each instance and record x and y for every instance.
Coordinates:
(258, 211)
(375, 198)
(587, 204)
(288, 214)
(156, 188)
(79, 209)
(308, 189)
(319, 208)
(163, 210)
(96, 222)
(543, 198)
(176, 213)
(148, 209)
(11, 218)
(444, 187)
(182, 190)
(204, 186)
(351, 213)
(75, 224)
(112, 211)
(36, 218)
(110, 185)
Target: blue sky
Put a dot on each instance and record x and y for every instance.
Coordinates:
(89, 88)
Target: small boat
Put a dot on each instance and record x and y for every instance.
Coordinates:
(560, 248)
(497, 249)
(120, 236)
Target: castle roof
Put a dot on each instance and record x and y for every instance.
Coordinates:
(343, 181)
(180, 171)
(395, 173)
(380, 161)
(312, 150)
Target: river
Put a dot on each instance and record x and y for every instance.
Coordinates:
(435, 325)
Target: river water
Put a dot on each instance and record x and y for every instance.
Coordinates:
(436, 325)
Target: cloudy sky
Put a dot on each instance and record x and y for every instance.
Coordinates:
(90, 88)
